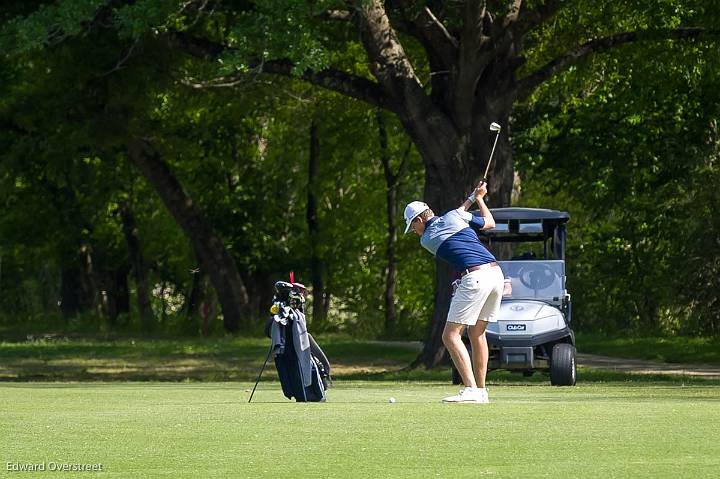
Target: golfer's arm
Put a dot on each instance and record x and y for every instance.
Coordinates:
(469, 202)
(485, 212)
(466, 205)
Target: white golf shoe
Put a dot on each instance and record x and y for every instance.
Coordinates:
(469, 395)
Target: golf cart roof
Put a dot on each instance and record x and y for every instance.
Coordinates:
(528, 224)
(529, 215)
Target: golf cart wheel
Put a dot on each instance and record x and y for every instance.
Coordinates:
(563, 371)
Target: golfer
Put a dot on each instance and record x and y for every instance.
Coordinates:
(476, 301)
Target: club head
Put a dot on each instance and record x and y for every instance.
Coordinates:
(495, 126)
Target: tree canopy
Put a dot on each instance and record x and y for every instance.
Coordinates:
(164, 162)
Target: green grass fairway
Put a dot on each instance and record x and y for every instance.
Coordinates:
(208, 430)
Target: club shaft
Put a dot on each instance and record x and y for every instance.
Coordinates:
(487, 168)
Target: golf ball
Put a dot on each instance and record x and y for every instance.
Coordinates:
(391, 400)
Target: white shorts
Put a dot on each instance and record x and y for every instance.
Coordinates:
(478, 297)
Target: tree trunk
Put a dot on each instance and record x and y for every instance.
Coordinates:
(138, 267)
(433, 348)
(461, 168)
(69, 292)
(196, 296)
(216, 261)
(392, 182)
(200, 304)
(122, 292)
(78, 285)
(117, 300)
(261, 289)
(320, 299)
(90, 297)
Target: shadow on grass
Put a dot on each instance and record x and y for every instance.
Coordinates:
(205, 359)
(240, 359)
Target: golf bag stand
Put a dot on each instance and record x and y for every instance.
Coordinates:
(302, 367)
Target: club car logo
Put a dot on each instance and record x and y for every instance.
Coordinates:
(515, 327)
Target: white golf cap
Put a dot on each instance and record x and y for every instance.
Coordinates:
(412, 210)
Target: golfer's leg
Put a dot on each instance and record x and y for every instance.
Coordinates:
(458, 352)
(489, 312)
(480, 353)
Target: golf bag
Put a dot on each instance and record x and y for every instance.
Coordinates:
(302, 367)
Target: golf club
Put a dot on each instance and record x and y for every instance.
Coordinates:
(496, 128)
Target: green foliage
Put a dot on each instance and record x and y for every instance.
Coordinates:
(64, 180)
(148, 16)
(626, 141)
(242, 157)
(627, 144)
(581, 21)
(698, 260)
(262, 32)
(51, 23)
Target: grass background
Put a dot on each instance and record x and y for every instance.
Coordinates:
(209, 429)
(185, 414)
(677, 349)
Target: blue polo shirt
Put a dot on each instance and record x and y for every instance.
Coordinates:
(450, 238)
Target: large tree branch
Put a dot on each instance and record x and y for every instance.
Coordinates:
(334, 80)
(335, 15)
(395, 74)
(215, 257)
(528, 84)
(388, 60)
(340, 82)
(513, 13)
(438, 42)
(508, 37)
(470, 64)
(195, 46)
(527, 19)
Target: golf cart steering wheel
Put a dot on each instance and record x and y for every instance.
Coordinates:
(536, 276)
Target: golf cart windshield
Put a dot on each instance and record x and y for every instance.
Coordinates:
(538, 279)
(526, 233)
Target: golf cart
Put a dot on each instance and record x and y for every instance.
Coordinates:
(533, 328)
